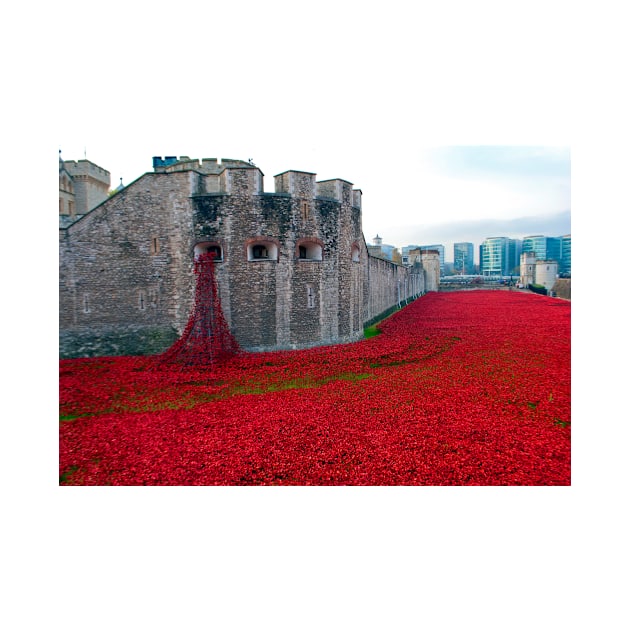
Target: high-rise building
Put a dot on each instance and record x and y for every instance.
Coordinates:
(565, 254)
(544, 247)
(515, 247)
(463, 261)
(499, 256)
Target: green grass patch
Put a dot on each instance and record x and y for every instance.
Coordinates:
(64, 477)
(72, 417)
(394, 363)
(191, 399)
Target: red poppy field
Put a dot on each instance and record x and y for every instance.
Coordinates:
(461, 388)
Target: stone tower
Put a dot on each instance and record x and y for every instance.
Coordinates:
(528, 268)
(82, 186)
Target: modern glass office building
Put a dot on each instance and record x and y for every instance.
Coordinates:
(544, 247)
(565, 254)
(499, 256)
(463, 261)
(556, 248)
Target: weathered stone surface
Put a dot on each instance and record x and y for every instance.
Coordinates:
(562, 288)
(293, 268)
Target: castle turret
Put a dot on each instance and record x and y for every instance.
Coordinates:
(90, 183)
(528, 268)
(546, 273)
(430, 259)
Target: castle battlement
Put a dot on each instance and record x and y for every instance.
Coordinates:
(207, 166)
(297, 184)
(82, 169)
(303, 185)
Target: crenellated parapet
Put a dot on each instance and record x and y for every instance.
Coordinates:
(84, 169)
(209, 166)
(296, 184)
(292, 265)
(226, 176)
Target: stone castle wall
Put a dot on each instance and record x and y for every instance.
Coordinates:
(292, 269)
(390, 285)
(562, 288)
(126, 276)
(307, 290)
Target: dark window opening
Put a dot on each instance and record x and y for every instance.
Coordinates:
(259, 251)
(215, 252)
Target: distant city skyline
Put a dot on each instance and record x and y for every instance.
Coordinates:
(470, 193)
(551, 227)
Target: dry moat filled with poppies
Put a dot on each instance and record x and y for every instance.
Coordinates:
(458, 388)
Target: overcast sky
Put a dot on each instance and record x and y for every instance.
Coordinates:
(344, 90)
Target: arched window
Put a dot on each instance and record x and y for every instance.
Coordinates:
(309, 249)
(356, 253)
(261, 249)
(209, 247)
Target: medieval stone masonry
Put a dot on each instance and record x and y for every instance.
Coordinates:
(82, 185)
(292, 266)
